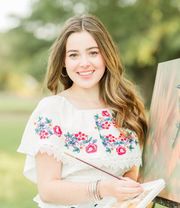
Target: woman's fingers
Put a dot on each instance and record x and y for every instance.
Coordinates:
(122, 189)
(132, 189)
(128, 188)
(128, 193)
(129, 183)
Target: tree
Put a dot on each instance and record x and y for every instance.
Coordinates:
(146, 32)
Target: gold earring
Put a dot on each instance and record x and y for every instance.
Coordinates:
(64, 75)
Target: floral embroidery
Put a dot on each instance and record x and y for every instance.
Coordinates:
(105, 113)
(121, 144)
(121, 150)
(45, 129)
(125, 141)
(79, 141)
(104, 120)
(57, 130)
(91, 148)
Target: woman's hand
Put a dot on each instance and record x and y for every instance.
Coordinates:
(122, 189)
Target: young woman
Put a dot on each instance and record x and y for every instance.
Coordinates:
(97, 117)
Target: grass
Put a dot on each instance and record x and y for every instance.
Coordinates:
(15, 190)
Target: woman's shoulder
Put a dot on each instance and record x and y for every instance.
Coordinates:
(51, 99)
(50, 103)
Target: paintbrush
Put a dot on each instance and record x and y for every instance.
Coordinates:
(87, 163)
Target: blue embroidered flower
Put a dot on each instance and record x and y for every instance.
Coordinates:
(44, 128)
(125, 141)
(79, 141)
(104, 120)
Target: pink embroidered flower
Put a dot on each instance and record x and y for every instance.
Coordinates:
(43, 134)
(80, 136)
(122, 137)
(80, 141)
(105, 113)
(106, 125)
(57, 130)
(121, 150)
(91, 148)
(110, 136)
(112, 140)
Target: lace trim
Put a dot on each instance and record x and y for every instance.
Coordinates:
(112, 162)
(51, 150)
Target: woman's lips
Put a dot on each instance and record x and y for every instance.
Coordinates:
(86, 73)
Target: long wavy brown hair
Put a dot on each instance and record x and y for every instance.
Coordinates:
(116, 91)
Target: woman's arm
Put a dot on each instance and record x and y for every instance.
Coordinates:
(54, 189)
(50, 186)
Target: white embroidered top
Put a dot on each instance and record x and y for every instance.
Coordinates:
(57, 126)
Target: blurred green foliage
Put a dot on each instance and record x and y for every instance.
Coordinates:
(15, 190)
(145, 31)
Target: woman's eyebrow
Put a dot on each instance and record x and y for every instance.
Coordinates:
(72, 51)
(87, 49)
(94, 47)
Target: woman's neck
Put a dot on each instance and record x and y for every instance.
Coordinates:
(84, 93)
(84, 98)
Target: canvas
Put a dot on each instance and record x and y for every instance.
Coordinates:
(161, 155)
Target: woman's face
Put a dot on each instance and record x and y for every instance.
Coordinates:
(83, 61)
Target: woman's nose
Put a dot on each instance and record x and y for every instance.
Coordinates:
(84, 62)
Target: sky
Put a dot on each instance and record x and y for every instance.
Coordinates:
(17, 7)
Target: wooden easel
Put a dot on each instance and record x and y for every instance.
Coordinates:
(165, 202)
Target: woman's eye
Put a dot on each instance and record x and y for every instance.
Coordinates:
(73, 55)
(94, 53)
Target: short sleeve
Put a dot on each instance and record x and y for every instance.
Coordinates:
(43, 133)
